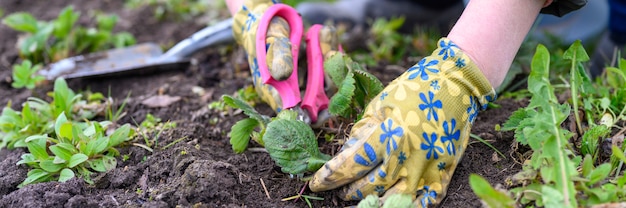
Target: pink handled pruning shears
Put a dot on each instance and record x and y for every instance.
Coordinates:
(315, 98)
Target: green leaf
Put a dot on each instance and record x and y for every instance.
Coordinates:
(120, 135)
(66, 174)
(37, 146)
(576, 52)
(106, 22)
(399, 200)
(61, 151)
(599, 173)
(65, 22)
(49, 165)
(335, 68)
(34, 175)
(99, 145)
(490, 196)
(591, 138)
(21, 21)
(368, 85)
(371, 201)
(293, 146)
(77, 159)
(246, 108)
(103, 164)
(27, 159)
(617, 152)
(240, 134)
(340, 102)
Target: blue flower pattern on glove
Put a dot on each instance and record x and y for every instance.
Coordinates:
(388, 134)
(430, 104)
(429, 196)
(401, 158)
(370, 153)
(255, 71)
(431, 148)
(447, 49)
(451, 134)
(250, 21)
(472, 110)
(422, 70)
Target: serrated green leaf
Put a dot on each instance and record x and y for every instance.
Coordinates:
(335, 68)
(65, 175)
(399, 200)
(21, 21)
(293, 146)
(77, 159)
(490, 196)
(49, 165)
(367, 85)
(246, 108)
(515, 119)
(340, 102)
(240, 134)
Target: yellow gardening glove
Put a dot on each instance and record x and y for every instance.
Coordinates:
(412, 136)
(279, 57)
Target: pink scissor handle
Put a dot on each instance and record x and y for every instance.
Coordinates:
(288, 89)
(315, 98)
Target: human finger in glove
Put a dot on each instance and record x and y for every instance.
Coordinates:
(413, 135)
(281, 52)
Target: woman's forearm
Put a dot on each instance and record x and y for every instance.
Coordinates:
(234, 5)
(491, 32)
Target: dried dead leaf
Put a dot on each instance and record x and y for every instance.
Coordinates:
(160, 101)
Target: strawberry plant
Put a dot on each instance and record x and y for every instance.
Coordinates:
(565, 168)
(356, 87)
(292, 143)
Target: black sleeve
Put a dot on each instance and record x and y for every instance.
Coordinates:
(562, 7)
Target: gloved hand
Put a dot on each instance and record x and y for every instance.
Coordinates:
(278, 46)
(562, 7)
(412, 136)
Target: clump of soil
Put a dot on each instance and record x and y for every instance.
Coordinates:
(198, 168)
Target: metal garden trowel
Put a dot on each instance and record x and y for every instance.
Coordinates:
(141, 58)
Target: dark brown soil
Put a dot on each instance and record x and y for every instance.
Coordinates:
(201, 170)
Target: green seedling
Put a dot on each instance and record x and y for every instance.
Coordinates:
(77, 149)
(25, 75)
(291, 143)
(177, 9)
(556, 174)
(152, 127)
(50, 41)
(37, 116)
